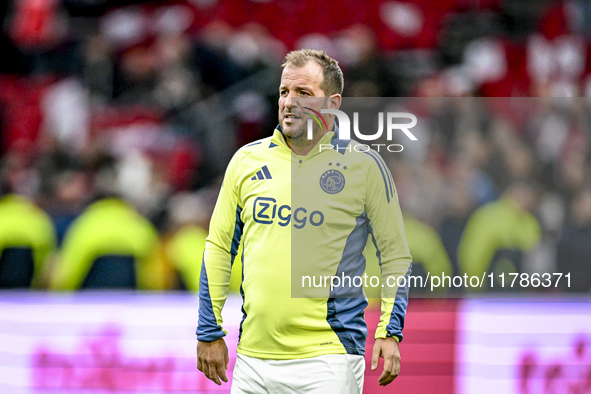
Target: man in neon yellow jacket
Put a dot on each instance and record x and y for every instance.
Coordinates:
(295, 206)
(25, 230)
(107, 228)
(499, 233)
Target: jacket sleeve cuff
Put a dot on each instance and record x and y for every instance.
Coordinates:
(210, 336)
(385, 334)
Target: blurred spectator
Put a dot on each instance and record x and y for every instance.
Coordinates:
(574, 248)
(460, 199)
(368, 74)
(39, 29)
(66, 114)
(27, 241)
(189, 221)
(22, 115)
(66, 199)
(216, 66)
(110, 246)
(98, 68)
(429, 256)
(36, 24)
(428, 253)
(498, 234)
(184, 250)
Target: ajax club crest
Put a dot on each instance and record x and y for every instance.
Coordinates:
(332, 181)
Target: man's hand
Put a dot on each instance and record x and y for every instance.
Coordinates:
(212, 360)
(389, 350)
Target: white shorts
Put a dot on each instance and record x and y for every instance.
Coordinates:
(328, 374)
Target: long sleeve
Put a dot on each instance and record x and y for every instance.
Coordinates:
(221, 247)
(387, 232)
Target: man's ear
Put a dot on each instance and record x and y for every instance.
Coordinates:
(334, 101)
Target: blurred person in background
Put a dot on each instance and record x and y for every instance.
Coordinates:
(460, 201)
(110, 246)
(424, 242)
(366, 67)
(574, 247)
(27, 235)
(467, 187)
(27, 242)
(188, 224)
(429, 254)
(66, 199)
(189, 216)
(499, 234)
(65, 183)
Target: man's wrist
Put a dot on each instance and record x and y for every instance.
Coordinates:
(397, 337)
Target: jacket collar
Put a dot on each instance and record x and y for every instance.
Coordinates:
(279, 139)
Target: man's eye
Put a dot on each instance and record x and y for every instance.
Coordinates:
(305, 93)
(283, 92)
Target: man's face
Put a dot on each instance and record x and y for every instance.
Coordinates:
(299, 82)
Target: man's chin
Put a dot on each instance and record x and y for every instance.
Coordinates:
(286, 129)
(294, 126)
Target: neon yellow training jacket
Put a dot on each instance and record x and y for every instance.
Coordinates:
(314, 212)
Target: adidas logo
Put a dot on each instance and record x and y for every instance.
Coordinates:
(263, 173)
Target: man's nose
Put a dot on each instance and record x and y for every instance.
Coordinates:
(290, 101)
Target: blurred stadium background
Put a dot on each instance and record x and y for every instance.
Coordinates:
(117, 119)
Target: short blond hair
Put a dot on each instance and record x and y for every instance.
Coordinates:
(333, 80)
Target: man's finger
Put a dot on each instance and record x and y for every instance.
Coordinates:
(387, 369)
(391, 370)
(396, 367)
(213, 376)
(375, 358)
(388, 364)
(213, 360)
(385, 378)
(221, 372)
